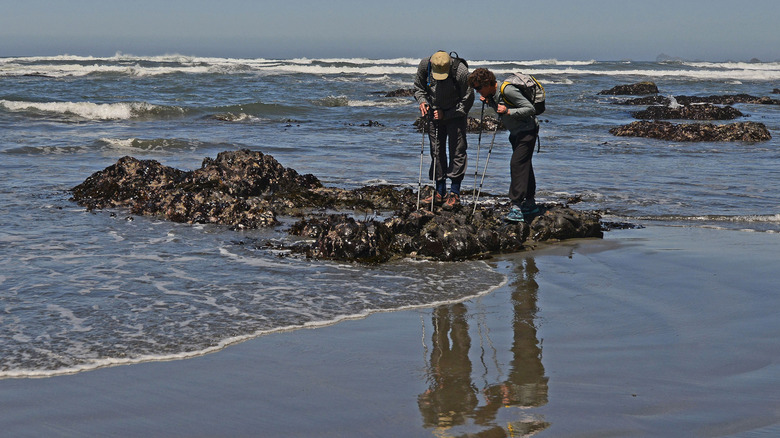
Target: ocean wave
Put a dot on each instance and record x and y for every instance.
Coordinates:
(67, 65)
(149, 145)
(735, 65)
(723, 75)
(344, 101)
(758, 218)
(549, 62)
(176, 322)
(94, 111)
(766, 223)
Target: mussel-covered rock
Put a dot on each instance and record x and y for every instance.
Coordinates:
(691, 100)
(445, 235)
(704, 111)
(247, 189)
(743, 131)
(401, 92)
(638, 89)
(487, 124)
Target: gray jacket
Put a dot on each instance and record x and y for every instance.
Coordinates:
(521, 116)
(453, 95)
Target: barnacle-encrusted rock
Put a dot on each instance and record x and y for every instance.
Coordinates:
(743, 131)
(704, 111)
(638, 89)
(690, 100)
(247, 189)
(487, 124)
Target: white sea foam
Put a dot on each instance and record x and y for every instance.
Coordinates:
(86, 110)
(67, 65)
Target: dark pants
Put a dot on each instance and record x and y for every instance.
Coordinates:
(521, 170)
(450, 133)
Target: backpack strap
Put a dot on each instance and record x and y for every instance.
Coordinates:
(506, 102)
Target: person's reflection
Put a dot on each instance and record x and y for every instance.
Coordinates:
(526, 384)
(452, 396)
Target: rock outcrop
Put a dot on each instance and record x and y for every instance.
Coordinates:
(638, 89)
(489, 124)
(704, 111)
(743, 131)
(690, 100)
(248, 189)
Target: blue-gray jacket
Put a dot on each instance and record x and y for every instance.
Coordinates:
(521, 116)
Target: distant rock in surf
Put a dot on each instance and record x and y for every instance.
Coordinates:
(638, 89)
(402, 92)
(743, 131)
(487, 124)
(689, 112)
(690, 100)
(247, 189)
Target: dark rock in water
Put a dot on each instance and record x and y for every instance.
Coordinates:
(690, 100)
(647, 100)
(776, 91)
(489, 124)
(638, 89)
(609, 226)
(445, 236)
(369, 124)
(743, 131)
(689, 112)
(237, 188)
(403, 92)
(727, 99)
(247, 189)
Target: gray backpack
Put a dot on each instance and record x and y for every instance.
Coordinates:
(529, 87)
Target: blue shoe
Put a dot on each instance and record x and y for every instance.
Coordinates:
(530, 210)
(515, 215)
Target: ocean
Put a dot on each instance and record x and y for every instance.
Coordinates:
(81, 290)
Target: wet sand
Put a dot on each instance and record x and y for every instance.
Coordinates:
(653, 332)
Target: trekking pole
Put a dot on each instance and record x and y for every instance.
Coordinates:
(487, 160)
(425, 128)
(435, 156)
(479, 142)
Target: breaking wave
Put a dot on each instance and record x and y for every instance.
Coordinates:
(94, 111)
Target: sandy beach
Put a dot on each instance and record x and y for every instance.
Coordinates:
(661, 331)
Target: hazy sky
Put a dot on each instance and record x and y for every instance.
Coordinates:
(713, 30)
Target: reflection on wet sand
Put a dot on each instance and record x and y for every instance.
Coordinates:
(453, 404)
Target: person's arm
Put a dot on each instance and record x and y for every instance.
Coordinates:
(421, 86)
(524, 109)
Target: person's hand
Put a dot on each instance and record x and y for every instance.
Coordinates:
(482, 98)
(437, 115)
(424, 109)
(502, 109)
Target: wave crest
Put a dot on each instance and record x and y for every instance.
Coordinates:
(93, 111)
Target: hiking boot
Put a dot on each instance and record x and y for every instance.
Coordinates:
(436, 198)
(515, 215)
(452, 201)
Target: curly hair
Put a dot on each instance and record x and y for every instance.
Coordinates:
(481, 77)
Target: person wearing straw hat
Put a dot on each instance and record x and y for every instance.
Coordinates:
(443, 94)
(519, 116)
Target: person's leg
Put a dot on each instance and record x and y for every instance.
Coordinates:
(523, 181)
(438, 137)
(458, 144)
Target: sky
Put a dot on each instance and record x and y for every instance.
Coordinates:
(608, 30)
